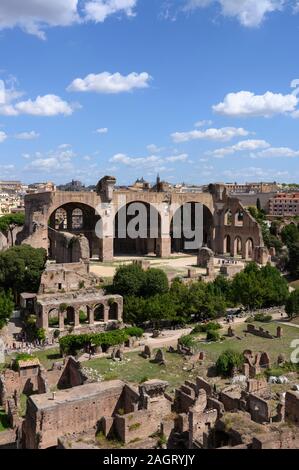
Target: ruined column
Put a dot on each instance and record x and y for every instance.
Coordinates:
(61, 321)
(106, 313)
(69, 215)
(106, 251)
(91, 316)
(77, 318)
(164, 247)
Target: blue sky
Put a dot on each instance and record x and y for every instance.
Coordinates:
(195, 90)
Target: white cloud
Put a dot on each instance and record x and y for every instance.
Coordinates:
(177, 158)
(34, 16)
(249, 13)
(244, 145)
(48, 105)
(222, 134)
(108, 83)
(57, 160)
(277, 152)
(152, 148)
(27, 135)
(246, 103)
(102, 130)
(3, 136)
(255, 172)
(151, 161)
(99, 10)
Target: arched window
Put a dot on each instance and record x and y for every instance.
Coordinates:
(113, 311)
(238, 247)
(227, 247)
(249, 249)
(239, 218)
(228, 218)
(99, 313)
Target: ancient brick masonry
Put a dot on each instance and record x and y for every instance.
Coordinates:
(68, 220)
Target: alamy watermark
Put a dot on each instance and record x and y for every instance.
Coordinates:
(141, 220)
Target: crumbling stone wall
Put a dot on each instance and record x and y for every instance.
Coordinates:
(292, 407)
(72, 410)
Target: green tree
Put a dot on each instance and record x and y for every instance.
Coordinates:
(293, 262)
(290, 234)
(155, 282)
(21, 268)
(292, 305)
(228, 361)
(9, 221)
(129, 280)
(258, 204)
(6, 307)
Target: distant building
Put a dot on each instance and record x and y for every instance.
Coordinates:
(10, 186)
(41, 187)
(74, 185)
(284, 204)
(252, 188)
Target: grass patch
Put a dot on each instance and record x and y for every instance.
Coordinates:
(48, 356)
(136, 369)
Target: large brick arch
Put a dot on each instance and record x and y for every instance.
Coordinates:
(107, 201)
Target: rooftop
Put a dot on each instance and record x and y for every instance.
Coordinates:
(81, 392)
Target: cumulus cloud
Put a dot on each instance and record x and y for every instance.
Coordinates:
(277, 152)
(47, 105)
(203, 123)
(99, 10)
(3, 136)
(55, 160)
(222, 134)
(151, 161)
(27, 135)
(247, 104)
(250, 13)
(34, 16)
(244, 145)
(255, 172)
(108, 83)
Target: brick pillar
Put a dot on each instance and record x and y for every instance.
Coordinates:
(106, 249)
(91, 316)
(164, 247)
(61, 321)
(69, 213)
(77, 319)
(106, 313)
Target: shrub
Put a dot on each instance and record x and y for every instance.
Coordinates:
(203, 328)
(227, 361)
(22, 357)
(213, 335)
(82, 316)
(261, 317)
(56, 333)
(292, 305)
(187, 341)
(41, 334)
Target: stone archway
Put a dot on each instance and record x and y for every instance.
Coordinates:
(99, 313)
(140, 238)
(238, 247)
(249, 249)
(227, 245)
(113, 311)
(178, 231)
(77, 219)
